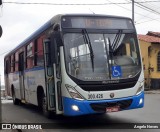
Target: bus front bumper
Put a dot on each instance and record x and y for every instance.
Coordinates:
(72, 107)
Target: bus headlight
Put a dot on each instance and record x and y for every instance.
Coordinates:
(74, 94)
(140, 89)
(140, 101)
(75, 108)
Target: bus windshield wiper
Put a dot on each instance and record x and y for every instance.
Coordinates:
(109, 53)
(116, 40)
(87, 41)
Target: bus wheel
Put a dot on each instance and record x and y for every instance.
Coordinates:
(44, 108)
(15, 100)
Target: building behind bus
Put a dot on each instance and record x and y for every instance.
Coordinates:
(150, 49)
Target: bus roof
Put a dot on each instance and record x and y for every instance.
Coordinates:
(54, 20)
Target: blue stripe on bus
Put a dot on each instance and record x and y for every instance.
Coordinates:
(29, 70)
(34, 69)
(85, 108)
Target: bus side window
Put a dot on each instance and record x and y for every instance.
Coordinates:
(16, 61)
(13, 63)
(7, 66)
(30, 55)
(39, 60)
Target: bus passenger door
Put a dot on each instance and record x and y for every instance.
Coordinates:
(52, 71)
(49, 75)
(21, 76)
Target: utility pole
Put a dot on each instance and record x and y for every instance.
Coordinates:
(1, 31)
(133, 11)
(0, 86)
(0, 25)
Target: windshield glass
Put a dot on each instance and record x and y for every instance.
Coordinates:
(100, 57)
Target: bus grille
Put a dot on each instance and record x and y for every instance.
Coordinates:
(107, 87)
(101, 107)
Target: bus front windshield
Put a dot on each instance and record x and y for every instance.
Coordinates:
(95, 56)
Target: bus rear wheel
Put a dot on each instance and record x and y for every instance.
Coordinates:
(15, 100)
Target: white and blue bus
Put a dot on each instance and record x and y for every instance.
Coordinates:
(78, 64)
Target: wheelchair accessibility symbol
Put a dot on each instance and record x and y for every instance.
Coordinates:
(116, 71)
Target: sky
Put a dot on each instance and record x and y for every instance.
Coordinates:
(21, 20)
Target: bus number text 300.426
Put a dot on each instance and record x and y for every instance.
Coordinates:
(95, 96)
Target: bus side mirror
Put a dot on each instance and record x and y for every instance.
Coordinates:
(56, 42)
(47, 51)
(57, 36)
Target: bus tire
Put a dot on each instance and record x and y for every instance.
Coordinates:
(43, 106)
(15, 100)
(46, 112)
(40, 94)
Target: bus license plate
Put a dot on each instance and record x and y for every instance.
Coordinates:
(112, 109)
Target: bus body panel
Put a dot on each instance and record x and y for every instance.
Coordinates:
(14, 81)
(33, 78)
(84, 107)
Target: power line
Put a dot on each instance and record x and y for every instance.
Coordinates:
(111, 3)
(143, 9)
(145, 15)
(119, 5)
(9, 2)
(151, 4)
(134, 12)
(5, 52)
(152, 10)
(153, 1)
(151, 19)
(149, 10)
(62, 3)
(147, 21)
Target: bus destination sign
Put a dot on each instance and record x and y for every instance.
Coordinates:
(97, 23)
